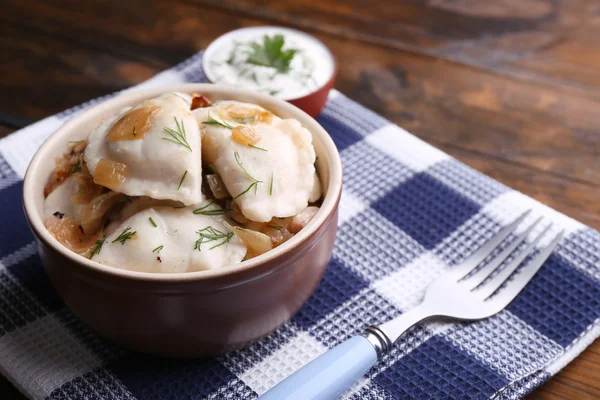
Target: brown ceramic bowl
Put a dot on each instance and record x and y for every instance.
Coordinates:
(198, 313)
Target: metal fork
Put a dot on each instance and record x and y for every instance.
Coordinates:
(466, 293)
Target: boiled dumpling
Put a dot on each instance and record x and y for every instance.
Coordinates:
(266, 163)
(59, 201)
(152, 150)
(168, 239)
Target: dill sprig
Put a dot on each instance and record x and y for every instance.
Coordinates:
(212, 121)
(271, 185)
(236, 155)
(210, 234)
(214, 170)
(257, 148)
(152, 222)
(98, 247)
(159, 248)
(204, 211)
(255, 181)
(178, 136)
(276, 227)
(186, 101)
(182, 178)
(124, 236)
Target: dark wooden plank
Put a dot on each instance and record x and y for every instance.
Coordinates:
(42, 75)
(578, 380)
(537, 40)
(511, 89)
(529, 124)
(5, 130)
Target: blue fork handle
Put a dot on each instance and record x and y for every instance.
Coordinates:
(329, 375)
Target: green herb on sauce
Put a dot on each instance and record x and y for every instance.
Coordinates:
(270, 53)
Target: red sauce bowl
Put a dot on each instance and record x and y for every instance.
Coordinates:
(313, 102)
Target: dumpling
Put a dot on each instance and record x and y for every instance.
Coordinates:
(168, 239)
(152, 150)
(59, 201)
(266, 163)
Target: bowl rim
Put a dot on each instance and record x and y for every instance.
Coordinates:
(331, 196)
(234, 32)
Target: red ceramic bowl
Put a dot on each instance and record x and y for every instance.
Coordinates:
(198, 313)
(313, 102)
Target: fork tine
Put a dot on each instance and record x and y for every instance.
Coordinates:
(488, 288)
(478, 277)
(476, 258)
(506, 295)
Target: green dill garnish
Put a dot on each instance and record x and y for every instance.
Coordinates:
(184, 206)
(124, 236)
(236, 155)
(76, 167)
(178, 136)
(182, 178)
(214, 170)
(274, 92)
(271, 54)
(212, 121)
(254, 183)
(275, 227)
(134, 133)
(152, 222)
(159, 248)
(98, 247)
(210, 234)
(186, 101)
(204, 211)
(271, 185)
(257, 148)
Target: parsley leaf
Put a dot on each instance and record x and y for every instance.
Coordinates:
(271, 54)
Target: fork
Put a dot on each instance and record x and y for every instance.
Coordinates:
(466, 293)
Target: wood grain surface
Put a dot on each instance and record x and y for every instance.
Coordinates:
(510, 87)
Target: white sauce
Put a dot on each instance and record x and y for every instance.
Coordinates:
(310, 69)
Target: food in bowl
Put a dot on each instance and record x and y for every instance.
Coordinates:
(179, 184)
(283, 62)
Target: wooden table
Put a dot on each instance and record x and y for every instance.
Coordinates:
(510, 87)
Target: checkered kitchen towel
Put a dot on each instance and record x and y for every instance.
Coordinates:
(408, 213)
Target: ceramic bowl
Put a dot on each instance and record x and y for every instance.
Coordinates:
(312, 103)
(197, 313)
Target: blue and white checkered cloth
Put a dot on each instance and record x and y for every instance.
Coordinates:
(408, 213)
